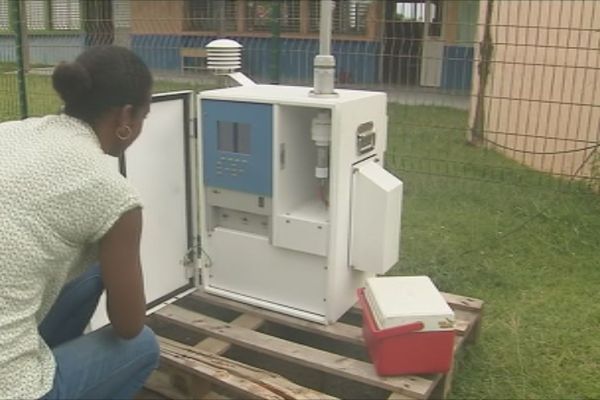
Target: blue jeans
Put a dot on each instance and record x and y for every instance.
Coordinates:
(99, 365)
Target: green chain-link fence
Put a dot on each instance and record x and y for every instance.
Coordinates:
(523, 75)
(494, 128)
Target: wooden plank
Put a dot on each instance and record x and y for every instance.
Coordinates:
(231, 382)
(463, 321)
(439, 382)
(443, 387)
(458, 343)
(304, 355)
(217, 346)
(160, 387)
(271, 381)
(186, 386)
(160, 382)
(458, 302)
(461, 327)
(468, 325)
(340, 331)
(476, 328)
(399, 396)
(215, 396)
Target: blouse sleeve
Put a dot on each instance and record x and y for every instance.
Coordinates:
(85, 211)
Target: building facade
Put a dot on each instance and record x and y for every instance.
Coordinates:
(540, 103)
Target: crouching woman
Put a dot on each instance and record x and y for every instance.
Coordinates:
(70, 228)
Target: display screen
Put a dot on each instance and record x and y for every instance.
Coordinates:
(233, 137)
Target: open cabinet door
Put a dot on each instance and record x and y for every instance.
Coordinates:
(159, 165)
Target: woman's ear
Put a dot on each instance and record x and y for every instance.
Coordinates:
(126, 115)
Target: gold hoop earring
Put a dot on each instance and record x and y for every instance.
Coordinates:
(120, 135)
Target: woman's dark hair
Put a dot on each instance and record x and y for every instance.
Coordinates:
(100, 78)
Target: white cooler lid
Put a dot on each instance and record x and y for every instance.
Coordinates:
(400, 300)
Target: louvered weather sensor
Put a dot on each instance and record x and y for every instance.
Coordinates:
(225, 58)
(296, 208)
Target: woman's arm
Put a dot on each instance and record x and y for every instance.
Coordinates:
(122, 274)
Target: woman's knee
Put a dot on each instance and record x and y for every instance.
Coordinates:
(147, 345)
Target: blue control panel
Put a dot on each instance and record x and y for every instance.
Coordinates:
(237, 146)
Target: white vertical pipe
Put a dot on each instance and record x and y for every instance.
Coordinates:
(325, 27)
(324, 65)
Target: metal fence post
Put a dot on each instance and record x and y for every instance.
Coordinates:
(486, 49)
(275, 41)
(19, 28)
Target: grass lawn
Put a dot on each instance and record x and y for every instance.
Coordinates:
(483, 226)
(528, 250)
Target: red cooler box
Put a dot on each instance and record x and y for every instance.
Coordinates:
(407, 325)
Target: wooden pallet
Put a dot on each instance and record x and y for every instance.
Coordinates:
(226, 349)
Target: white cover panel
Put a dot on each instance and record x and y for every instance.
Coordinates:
(246, 264)
(376, 213)
(155, 164)
(305, 229)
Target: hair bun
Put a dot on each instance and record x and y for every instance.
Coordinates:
(72, 81)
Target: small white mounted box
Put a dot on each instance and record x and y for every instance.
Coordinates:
(376, 214)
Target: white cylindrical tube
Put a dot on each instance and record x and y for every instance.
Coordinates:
(324, 75)
(324, 63)
(325, 27)
(322, 168)
(321, 129)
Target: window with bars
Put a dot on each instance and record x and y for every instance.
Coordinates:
(210, 15)
(53, 14)
(37, 15)
(121, 13)
(261, 13)
(422, 11)
(65, 14)
(349, 16)
(435, 15)
(409, 11)
(4, 19)
(290, 15)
